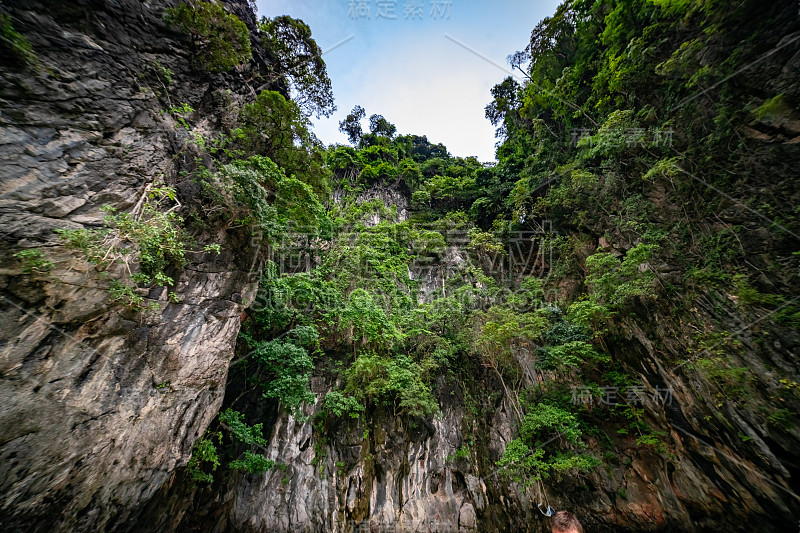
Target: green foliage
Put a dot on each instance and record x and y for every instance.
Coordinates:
(527, 460)
(572, 354)
(665, 168)
(278, 129)
(366, 323)
(338, 404)
(378, 154)
(451, 192)
(148, 237)
(253, 463)
(256, 192)
(320, 448)
(142, 245)
(204, 457)
(127, 295)
(544, 420)
(437, 181)
(351, 125)
(382, 171)
(571, 193)
(14, 44)
(357, 214)
(165, 75)
(590, 314)
(462, 453)
(774, 110)
(748, 295)
(234, 422)
(617, 282)
(502, 332)
(289, 365)
(779, 417)
(33, 261)
(394, 381)
(485, 243)
(293, 299)
(380, 126)
(251, 436)
(421, 199)
(178, 110)
(221, 39)
(344, 161)
(409, 170)
(299, 60)
(649, 439)
(731, 380)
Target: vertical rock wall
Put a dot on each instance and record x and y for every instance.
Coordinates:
(101, 404)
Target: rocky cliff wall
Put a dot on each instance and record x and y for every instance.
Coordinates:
(717, 467)
(101, 404)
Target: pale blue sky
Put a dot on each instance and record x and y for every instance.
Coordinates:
(408, 70)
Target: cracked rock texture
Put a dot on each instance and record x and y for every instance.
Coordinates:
(100, 404)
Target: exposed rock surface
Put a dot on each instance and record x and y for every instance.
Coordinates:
(101, 404)
(395, 194)
(390, 474)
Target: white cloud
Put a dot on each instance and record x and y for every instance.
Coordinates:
(427, 87)
(414, 76)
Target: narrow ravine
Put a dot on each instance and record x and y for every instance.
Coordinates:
(213, 321)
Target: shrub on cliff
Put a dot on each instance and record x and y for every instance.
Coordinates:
(221, 38)
(14, 44)
(276, 127)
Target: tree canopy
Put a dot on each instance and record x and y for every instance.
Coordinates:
(298, 59)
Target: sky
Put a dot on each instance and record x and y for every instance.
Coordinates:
(429, 73)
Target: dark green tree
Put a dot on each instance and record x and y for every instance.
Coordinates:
(278, 128)
(380, 126)
(351, 125)
(298, 60)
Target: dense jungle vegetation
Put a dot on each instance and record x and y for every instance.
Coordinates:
(625, 156)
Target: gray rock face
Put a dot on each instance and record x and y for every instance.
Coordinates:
(101, 404)
(387, 474)
(375, 475)
(391, 195)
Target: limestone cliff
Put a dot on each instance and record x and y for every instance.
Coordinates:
(389, 473)
(102, 404)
